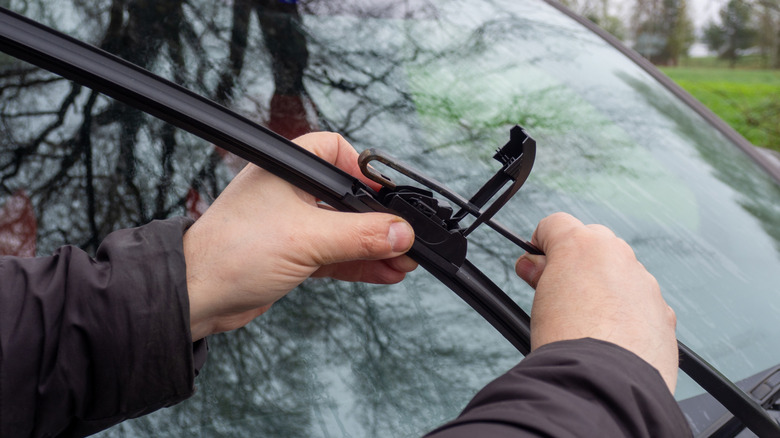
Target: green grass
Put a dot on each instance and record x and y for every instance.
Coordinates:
(747, 99)
(748, 61)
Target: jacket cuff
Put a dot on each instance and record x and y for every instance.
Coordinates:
(582, 387)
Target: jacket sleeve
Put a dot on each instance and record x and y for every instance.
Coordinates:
(576, 388)
(86, 343)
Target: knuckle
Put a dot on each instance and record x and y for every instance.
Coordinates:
(601, 230)
(624, 249)
(583, 239)
(554, 218)
(369, 242)
(671, 317)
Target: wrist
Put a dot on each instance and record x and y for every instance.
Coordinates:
(200, 328)
(197, 285)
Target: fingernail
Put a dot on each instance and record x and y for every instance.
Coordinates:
(527, 266)
(400, 236)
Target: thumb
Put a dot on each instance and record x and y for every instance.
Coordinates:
(343, 237)
(529, 267)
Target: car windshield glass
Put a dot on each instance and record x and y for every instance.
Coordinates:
(438, 85)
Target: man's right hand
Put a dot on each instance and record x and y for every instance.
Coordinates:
(590, 284)
(263, 236)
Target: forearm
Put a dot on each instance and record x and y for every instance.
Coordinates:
(88, 343)
(573, 388)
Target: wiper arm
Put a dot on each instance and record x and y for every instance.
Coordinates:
(766, 392)
(127, 83)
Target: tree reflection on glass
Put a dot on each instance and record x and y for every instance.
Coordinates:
(329, 360)
(436, 88)
(756, 190)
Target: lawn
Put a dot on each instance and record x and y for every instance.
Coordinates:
(747, 99)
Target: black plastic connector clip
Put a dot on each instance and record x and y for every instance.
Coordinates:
(517, 157)
(432, 219)
(429, 217)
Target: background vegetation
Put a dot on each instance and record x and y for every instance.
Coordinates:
(746, 98)
(739, 81)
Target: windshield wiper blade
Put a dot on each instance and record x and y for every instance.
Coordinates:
(130, 84)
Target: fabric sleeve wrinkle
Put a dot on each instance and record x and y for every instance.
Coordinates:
(87, 343)
(577, 388)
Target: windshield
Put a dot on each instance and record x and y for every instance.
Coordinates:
(438, 85)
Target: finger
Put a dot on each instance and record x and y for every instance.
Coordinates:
(403, 263)
(366, 271)
(554, 229)
(529, 267)
(341, 237)
(334, 149)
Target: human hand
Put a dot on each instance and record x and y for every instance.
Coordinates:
(262, 237)
(590, 284)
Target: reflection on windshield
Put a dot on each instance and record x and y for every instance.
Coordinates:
(733, 244)
(328, 360)
(437, 85)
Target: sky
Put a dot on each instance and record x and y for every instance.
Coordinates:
(704, 11)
